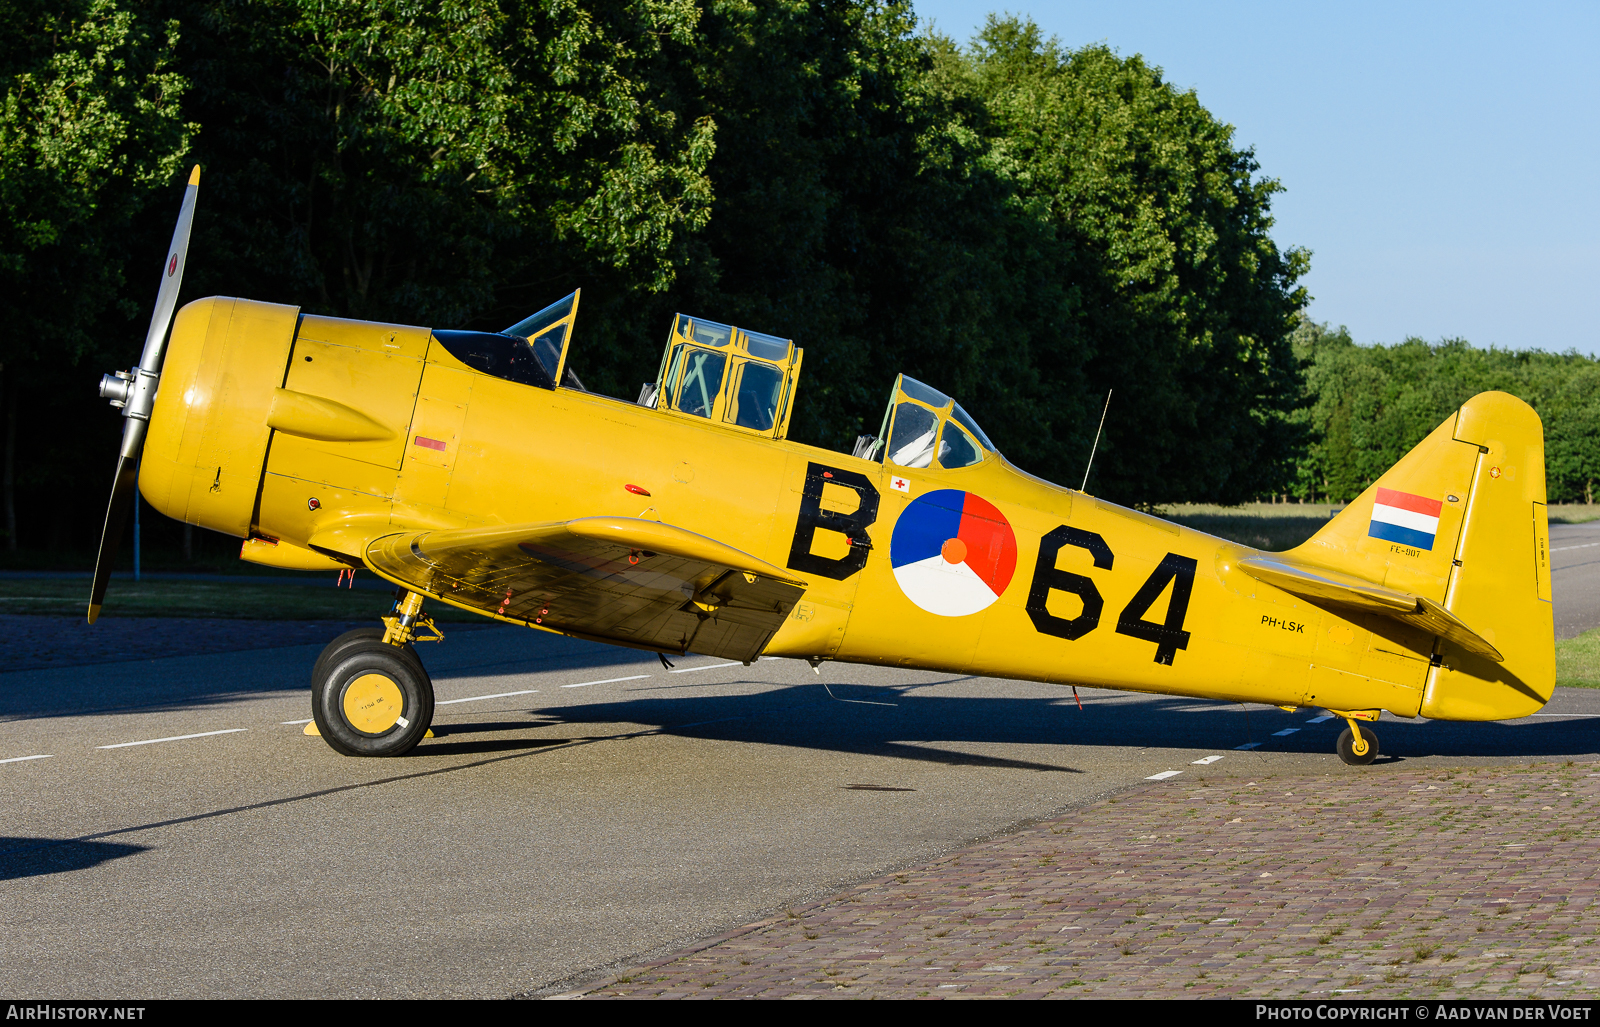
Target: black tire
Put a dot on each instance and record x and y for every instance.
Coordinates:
(1347, 748)
(372, 699)
(349, 638)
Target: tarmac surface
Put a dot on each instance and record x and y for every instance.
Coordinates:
(1575, 576)
(171, 832)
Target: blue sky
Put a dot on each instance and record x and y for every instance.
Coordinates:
(1441, 160)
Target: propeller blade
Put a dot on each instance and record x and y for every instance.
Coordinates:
(123, 489)
(138, 396)
(171, 278)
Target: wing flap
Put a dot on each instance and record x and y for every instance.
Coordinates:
(612, 579)
(1321, 584)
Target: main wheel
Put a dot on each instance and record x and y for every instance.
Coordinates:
(1347, 742)
(372, 699)
(349, 638)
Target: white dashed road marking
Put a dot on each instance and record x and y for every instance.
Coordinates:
(174, 738)
(713, 666)
(501, 695)
(24, 759)
(1206, 761)
(1285, 731)
(1163, 775)
(607, 681)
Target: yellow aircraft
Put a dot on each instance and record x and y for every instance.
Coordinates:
(474, 469)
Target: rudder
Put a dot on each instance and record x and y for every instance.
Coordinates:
(1461, 520)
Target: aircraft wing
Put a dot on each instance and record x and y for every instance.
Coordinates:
(1322, 585)
(619, 580)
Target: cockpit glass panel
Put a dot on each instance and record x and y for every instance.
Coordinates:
(972, 426)
(503, 356)
(768, 347)
(912, 442)
(916, 390)
(547, 348)
(743, 379)
(707, 333)
(528, 327)
(674, 372)
(956, 448)
(756, 391)
(698, 379)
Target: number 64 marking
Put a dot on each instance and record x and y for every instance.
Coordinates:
(1168, 635)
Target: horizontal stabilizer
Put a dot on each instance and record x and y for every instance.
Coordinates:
(1321, 585)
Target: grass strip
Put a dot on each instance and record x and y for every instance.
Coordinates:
(1273, 534)
(1578, 660)
(233, 600)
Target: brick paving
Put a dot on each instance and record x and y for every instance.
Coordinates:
(1367, 883)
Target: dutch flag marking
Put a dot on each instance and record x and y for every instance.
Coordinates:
(1404, 518)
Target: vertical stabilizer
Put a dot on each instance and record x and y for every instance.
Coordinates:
(1461, 520)
(1502, 582)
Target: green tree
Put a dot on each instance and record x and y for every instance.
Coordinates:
(440, 162)
(851, 212)
(1369, 405)
(89, 126)
(1177, 297)
(1017, 224)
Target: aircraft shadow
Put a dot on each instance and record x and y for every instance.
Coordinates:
(35, 857)
(624, 713)
(483, 745)
(921, 726)
(154, 686)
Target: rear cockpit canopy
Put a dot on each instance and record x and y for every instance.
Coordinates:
(923, 425)
(728, 375)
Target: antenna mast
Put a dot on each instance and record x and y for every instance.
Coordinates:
(1096, 447)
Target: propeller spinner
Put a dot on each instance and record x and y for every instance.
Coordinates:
(134, 391)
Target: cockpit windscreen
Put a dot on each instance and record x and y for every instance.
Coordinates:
(922, 426)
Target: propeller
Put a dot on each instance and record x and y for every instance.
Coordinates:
(134, 391)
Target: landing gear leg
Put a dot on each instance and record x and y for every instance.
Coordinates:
(370, 695)
(1357, 746)
(406, 624)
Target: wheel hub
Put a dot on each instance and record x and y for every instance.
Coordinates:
(373, 704)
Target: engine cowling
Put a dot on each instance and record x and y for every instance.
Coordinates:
(207, 446)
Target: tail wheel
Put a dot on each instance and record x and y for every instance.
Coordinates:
(1347, 751)
(371, 699)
